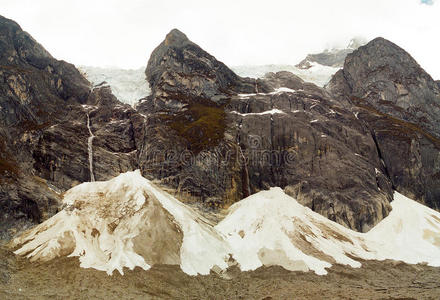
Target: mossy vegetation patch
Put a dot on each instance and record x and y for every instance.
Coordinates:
(397, 128)
(33, 126)
(201, 125)
(8, 166)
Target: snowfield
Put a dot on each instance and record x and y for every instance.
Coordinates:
(129, 86)
(129, 222)
(317, 73)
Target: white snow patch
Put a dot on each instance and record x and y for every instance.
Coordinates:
(410, 233)
(282, 90)
(275, 92)
(272, 222)
(244, 96)
(317, 74)
(267, 112)
(127, 85)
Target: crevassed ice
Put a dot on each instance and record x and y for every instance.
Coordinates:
(127, 85)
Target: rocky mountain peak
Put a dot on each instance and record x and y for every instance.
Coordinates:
(387, 77)
(208, 134)
(382, 52)
(176, 37)
(400, 102)
(55, 130)
(199, 106)
(179, 66)
(33, 79)
(19, 47)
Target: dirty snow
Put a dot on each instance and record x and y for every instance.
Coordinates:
(101, 220)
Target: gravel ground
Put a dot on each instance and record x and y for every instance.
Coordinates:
(64, 279)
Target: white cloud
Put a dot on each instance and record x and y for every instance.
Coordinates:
(123, 33)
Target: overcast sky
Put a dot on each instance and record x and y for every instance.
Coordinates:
(124, 33)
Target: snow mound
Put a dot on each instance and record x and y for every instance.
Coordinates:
(129, 86)
(129, 222)
(126, 222)
(271, 228)
(410, 233)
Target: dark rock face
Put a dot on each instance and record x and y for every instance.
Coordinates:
(400, 103)
(257, 136)
(43, 130)
(315, 149)
(178, 68)
(214, 137)
(331, 58)
(387, 77)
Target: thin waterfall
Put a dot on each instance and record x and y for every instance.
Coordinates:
(245, 176)
(90, 143)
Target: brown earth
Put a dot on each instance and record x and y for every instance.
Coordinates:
(64, 279)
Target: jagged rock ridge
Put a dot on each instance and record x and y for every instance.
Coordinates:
(400, 102)
(44, 107)
(278, 131)
(208, 134)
